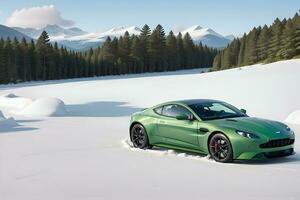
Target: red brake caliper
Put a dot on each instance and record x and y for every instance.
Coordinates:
(216, 146)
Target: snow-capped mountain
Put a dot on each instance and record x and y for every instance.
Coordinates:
(85, 41)
(6, 32)
(77, 39)
(52, 30)
(120, 31)
(206, 36)
(230, 37)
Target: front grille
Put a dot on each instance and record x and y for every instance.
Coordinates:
(277, 143)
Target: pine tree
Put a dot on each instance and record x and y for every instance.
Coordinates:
(108, 56)
(136, 55)
(9, 62)
(33, 61)
(42, 46)
(180, 47)
(241, 55)
(275, 41)
(3, 62)
(217, 63)
(157, 49)
(289, 47)
(172, 52)
(230, 55)
(296, 36)
(25, 67)
(279, 41)
(251, 44)
(201, 54)
(14, 69)
(144, 40)
(51, 64)
(263, 43)
(57, 62)
(124, 51)
(188, 46)
(91, 70)
(297, 40)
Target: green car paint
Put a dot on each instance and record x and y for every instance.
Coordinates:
(270, 138)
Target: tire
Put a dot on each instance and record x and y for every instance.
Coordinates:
(220, 148)
(139, 137)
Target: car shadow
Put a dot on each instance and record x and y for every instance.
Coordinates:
(101, 109)
(15, 129)
(28, 120)
(270, 161)
(19, 126)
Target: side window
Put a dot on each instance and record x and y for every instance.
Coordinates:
(158, 110)
(175, 110)
(219, 107)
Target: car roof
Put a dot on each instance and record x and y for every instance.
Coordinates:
(190, 102)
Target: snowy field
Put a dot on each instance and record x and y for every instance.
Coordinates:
(81, 151)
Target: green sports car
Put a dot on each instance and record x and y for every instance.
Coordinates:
(210, 127)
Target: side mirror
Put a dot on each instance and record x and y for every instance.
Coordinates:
(243, 111)
(184, 117)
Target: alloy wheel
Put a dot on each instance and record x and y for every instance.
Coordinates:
(220, 148)
(139, 137)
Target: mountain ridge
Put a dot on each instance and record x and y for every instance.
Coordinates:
(78, 39)
(6, 32)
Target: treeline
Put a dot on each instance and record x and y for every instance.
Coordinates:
(264, 44)
(149, 52)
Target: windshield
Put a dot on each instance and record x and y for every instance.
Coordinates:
(216, 110)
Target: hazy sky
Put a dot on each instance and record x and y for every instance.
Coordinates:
(225, 17)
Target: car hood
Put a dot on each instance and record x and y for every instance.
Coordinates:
(260, 127)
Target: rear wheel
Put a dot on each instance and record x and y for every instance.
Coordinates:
(139, 137)
(220, 148)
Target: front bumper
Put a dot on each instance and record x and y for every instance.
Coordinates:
(247, 149)
(270, 153)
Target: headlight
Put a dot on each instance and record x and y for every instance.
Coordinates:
(247, 135)
(289, 130)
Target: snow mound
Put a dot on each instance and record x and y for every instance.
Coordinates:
(45, 107)
(165, 152)
(10, 95)
(13, 101)
(294, 117)
(6, 121)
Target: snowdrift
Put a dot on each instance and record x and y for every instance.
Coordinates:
(14, 102)
(6, 121)
(45, 107)
(166, 152)
(42, 107)
(294, 118)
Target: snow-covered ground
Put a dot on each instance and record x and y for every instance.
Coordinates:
(84, 153)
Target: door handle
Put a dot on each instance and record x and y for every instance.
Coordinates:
(161, 121)
(203, 130)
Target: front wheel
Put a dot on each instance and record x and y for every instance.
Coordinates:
(220, 148)
(139, 137)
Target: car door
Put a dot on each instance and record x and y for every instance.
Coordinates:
(181, 133)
